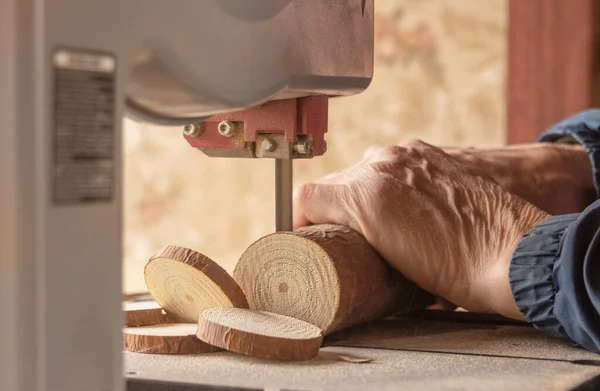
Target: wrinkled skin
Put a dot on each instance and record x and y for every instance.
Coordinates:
(556, 178)
(442, 221)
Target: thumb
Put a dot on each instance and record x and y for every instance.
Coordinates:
(319, 204)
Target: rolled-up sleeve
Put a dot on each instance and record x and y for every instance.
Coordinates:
(555, 277)
(555, 269)
(582, 128)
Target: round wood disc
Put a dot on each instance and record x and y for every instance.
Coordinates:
(168, 338)
(327, 275)
(185, 282)
(145, 313)
(290, 275)
(260, 334)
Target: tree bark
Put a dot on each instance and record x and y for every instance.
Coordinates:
(260, 334)
(143, 314)
(327, 275)
(185, 282)
(170, 338)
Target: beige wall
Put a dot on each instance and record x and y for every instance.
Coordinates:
(439, 76)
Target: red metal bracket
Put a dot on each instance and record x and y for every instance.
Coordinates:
(291, 117)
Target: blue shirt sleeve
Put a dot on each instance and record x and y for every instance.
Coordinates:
(555, 269)
(582, 128)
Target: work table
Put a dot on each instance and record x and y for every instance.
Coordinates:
(426, 350)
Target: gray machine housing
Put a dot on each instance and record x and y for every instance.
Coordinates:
(168, 62)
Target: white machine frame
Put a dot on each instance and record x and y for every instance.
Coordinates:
(176, 62)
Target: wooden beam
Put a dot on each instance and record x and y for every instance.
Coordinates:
(553, 63)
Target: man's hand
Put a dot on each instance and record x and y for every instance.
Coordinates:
(556, 178)
(438, 220)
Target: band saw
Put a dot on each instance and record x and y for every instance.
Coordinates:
(239, 78)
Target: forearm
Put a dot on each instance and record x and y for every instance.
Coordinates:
(557, 178)
(561, 175)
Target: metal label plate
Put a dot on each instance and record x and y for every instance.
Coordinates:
(84, 134)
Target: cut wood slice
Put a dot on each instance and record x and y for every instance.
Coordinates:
(168, 338)
(185, 282)
(327, 275)
(260, 334)
(145, 313)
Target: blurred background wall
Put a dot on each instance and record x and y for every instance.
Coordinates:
(440, 70)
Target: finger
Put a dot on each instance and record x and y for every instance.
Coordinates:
(329, 179)
(298, 218)
(453, 150)
(371, 153)
(433, 154)
(319, 204)
(419, 145)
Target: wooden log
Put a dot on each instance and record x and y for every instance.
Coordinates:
(168, 338)
(185, 282)
(327, 275)
(145, 313)
(260, 334)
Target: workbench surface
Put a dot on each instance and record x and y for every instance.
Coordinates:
(407, 354)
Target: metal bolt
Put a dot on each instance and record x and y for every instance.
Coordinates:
(226, 128)
(192, 130)
(303, 147)
(268, 145)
